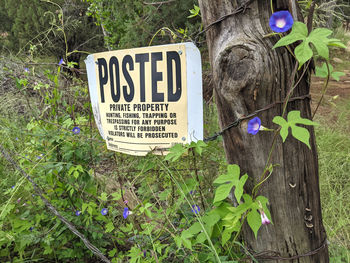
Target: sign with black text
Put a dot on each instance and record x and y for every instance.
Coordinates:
(147, 99)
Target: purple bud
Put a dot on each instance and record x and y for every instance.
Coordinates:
(264, 219)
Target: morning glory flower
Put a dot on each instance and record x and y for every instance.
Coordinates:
(104, 211)
(195, 209)
(264, 219)
(61, 62)
(76, 130)
(254, 125)
(281, 21)
(77, 213)
(126, 212)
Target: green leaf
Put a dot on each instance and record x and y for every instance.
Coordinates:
(178, 241)
(254, 221)
(195, 228)
(226, 235)
(109, 227)
(211, 220)
(319, 33)
(322, 49)
(301, 134)
(175, 153)
(222, 192)
(232, 175)
(322, 71)
(336, 43)
(299, 32)
(201, 238)
(284, 126)
(187, 243)
(194, 12)
(84, 207)
(112, 252)
(303, 53)
(198, 147)
(103, 197)
(239, 187)
(336, 75)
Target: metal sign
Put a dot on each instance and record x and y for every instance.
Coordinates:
(147, 99)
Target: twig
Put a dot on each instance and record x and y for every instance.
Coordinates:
(159, 3)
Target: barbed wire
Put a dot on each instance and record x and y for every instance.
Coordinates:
(274, 255)
(239, 120)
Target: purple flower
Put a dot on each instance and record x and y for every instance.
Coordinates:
(13, 187)
(192, 192)
(26, 70)
(144, 253)
(264, 219)
(16, 138)
(76, 130)
(195, 209)
(281, 21)
(78, 213)
(31, 228)
(126, 212)
(254, 125)
(104, 211)
(61, 62)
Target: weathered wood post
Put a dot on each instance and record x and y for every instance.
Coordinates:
(249, 75)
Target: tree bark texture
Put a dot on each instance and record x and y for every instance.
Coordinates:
(248, 75)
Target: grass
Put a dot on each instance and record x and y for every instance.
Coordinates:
(333, 140)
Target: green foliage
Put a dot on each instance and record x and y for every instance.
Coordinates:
(57, 27)
(299, 133)
(323, 72)
(229, 180)
(318, 38)
(130, 24)
(194, 12)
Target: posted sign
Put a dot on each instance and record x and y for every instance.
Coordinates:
(147, 99)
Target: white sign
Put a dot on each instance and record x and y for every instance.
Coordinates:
(147, 99)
